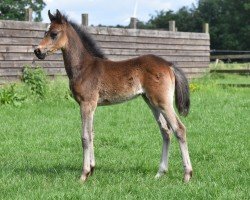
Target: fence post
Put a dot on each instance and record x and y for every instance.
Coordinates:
(205, 28)
(28, 14)
(171, 26)
(85, 19)
(133, 23)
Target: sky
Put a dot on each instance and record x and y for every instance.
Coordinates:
(111, 12)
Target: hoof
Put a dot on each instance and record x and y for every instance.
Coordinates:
(160, 174)
(187, 176)
(84, 177)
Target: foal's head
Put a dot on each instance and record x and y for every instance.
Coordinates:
(55, 37)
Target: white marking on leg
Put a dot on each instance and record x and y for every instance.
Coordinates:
(92, 153)
(86, 155)
(186, 160)
(87, 112)
(163, 167)
(164, 159)
(181, 136)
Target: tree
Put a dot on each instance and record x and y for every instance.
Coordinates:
(15, 9)
(229, 22)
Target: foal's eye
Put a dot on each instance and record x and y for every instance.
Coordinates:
(53, 35)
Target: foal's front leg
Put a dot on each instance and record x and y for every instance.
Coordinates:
(87, 114)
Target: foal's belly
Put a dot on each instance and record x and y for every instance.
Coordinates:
(118, 97)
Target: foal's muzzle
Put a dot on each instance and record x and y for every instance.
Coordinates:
(39, 54)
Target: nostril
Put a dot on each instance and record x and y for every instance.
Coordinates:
(37, 51)
(39, 54)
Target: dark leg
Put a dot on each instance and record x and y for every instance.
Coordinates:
(166, 134)
(180, 133)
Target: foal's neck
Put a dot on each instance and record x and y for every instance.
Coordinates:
(75, 55)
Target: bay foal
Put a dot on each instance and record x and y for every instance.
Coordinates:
(95, 80)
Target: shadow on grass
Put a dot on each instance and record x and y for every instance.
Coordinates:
(50, 171)
(137, 169)
(58, 170)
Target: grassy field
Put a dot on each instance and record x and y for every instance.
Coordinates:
(222, 65)
(41, 155)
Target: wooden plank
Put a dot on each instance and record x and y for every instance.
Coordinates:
(58, 56)
(109, 51)
(123, 45)
(169, 58)
(146, 33)
(159, 52)
(195, 70)
(132, 52)
(104, 44)
(35, 41)
(226, 57)
(19, 41)
(186, 59)
(60, 64)
(28, 57)
(16, 49)
(21, 64)
(55, 71)
(18, 71)
(23, 25)
(194, 76)
(10, 79)
(150, 40)
(10, 72)
(21, 33)
(192, 64)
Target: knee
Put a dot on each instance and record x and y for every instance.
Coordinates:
(166, 133)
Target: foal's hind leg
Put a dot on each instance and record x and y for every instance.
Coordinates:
(166, 133)
(180, 133)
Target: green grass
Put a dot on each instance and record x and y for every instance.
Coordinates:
(223, 78)
(222, 65)
(41, 155)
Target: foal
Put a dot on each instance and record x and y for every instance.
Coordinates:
(95, 80)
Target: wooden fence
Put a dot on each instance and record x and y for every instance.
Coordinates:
(230, 56)
(190, 51)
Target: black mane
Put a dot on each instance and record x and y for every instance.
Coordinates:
(86, 39)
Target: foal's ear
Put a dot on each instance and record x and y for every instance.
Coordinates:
(58, 14)
(51, 17)
(59, 17)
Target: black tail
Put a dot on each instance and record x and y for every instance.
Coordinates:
(182, 99)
